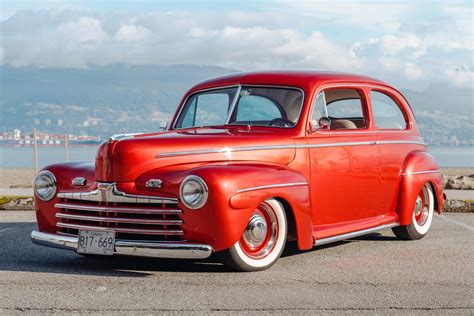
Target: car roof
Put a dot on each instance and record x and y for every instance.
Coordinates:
(298, 78)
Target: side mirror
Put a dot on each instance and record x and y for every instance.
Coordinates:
(163, 125)
(324, 123)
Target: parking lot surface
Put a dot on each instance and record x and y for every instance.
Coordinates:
(375, 273)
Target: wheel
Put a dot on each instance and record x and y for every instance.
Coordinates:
(262, 242)
(422, 216)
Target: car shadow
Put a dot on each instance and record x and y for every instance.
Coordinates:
(18, 253)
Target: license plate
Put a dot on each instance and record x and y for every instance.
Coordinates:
(97, 242)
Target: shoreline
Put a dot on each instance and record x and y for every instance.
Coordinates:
(16, 189)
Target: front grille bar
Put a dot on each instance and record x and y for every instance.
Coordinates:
(108, 192)
(176, 232)
(120, 220)
(116, 209)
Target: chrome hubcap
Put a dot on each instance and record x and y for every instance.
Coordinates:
(256, 231)
(422, 207)
(418, 206)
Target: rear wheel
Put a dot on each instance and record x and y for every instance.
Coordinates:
(422, 216)
(263, 240)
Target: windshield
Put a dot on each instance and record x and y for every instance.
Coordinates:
(246, 105)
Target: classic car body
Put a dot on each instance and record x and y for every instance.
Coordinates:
(323, 176)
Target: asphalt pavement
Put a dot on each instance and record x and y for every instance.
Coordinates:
(374, 274)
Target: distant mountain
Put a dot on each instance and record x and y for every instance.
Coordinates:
(439, 97)
(98, 100)
(118, 98)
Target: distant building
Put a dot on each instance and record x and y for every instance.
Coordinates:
(16, 134)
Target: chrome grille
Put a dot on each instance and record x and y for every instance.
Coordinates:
(158, 220)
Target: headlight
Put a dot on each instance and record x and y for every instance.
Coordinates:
(193, 192)
(45, 185)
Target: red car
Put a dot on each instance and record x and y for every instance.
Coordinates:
(249, 162)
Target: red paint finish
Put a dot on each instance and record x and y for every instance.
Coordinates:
(331, 182)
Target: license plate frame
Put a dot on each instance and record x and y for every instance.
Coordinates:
(96, 242)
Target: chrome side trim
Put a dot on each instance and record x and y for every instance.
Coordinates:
(116, 209)
(337, 144)
(332, 239)
(120, 219)
(224, 150)
(173, 250)
(272, 147)
(176, 232)
(271, 186)
(108, 192)
(407, 174)
(388, 142)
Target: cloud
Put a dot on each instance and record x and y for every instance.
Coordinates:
(397, 42)
(130, 32)
(84, 30)
(462, 77)
(75, 38)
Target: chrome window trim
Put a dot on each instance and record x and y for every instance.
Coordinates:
(407, 174)
(377, 86)
(226, 150)
(270, 186)
(234, 102)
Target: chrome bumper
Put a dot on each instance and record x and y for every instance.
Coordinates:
(174, 250)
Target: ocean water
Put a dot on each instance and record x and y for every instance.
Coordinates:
(22, 157)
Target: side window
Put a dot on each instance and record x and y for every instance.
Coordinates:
(387, 113)
(256, 108)
(319, 108)
(350, 108)
(344, 107)
(206, 109)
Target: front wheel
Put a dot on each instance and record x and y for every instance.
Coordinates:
(422, 216)
(263, 240)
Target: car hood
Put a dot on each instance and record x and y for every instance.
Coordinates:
(127, 158)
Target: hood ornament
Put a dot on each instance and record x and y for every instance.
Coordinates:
(119, 137)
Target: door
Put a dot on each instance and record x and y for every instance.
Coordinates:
(345, 163)
(395, 142)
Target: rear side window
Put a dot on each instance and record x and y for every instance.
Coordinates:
(387, 113)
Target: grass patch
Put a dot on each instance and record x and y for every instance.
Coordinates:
(6, 199)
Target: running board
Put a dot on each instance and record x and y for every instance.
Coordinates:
(328, 240)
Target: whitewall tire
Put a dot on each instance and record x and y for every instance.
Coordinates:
(263, 240)
(422, 217)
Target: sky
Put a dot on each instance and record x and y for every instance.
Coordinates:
(407, 43)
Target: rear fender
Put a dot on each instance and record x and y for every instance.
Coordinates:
(419, 168)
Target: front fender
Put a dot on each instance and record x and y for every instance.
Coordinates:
(419, 168)
(64, 173)
(235, 191)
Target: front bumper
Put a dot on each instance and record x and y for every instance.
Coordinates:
(174, 250)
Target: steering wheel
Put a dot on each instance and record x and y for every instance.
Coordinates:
(280, 122)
